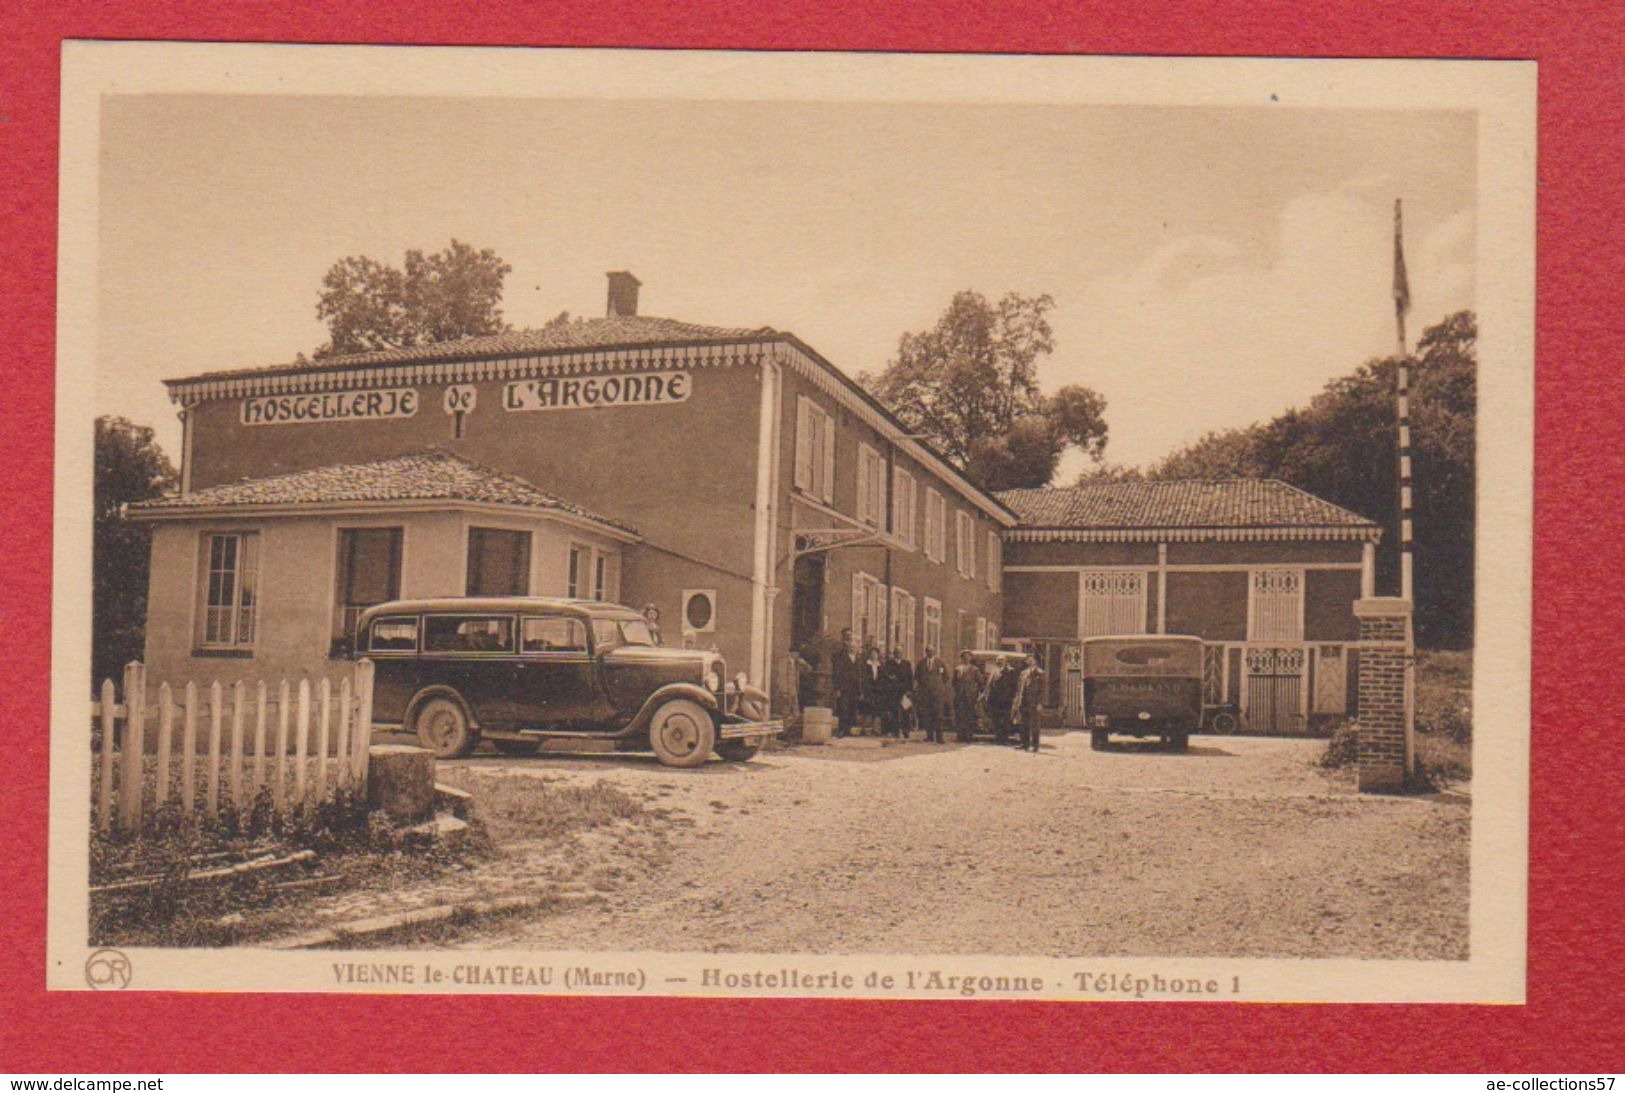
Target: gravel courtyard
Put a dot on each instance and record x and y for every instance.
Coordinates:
(1239, 848)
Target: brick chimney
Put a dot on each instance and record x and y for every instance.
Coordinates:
(623, 294)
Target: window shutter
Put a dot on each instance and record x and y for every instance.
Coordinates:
(803, 477)
(859, 629)
(829, 458)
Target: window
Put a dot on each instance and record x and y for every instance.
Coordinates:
(868, 609)
(1275, 608)
(981, 632)
(231, 590)
(936, 526)
(468, 634)
(903, 506)
(611, 633)
(393, 635)
(965, 554)
(1111, 602)
(902, 622)
(498, 562)
(369, 572)
(699, 610)
(600, 570)
(815, 449)
(932, 628)
(994, 560)
(575, 581)
(553, 635)
(871, 485)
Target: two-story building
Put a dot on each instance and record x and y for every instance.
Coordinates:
(731, 477)
(1264, 573)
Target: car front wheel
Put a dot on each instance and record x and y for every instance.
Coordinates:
(443, 726)
(682, 733)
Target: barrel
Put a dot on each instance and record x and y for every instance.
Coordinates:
(817, 724)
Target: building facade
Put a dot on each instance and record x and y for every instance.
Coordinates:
(731, 477)
(1265, 574)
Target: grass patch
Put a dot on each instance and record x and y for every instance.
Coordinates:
(1444, 721)
(527, 807)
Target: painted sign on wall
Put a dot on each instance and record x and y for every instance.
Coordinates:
(391, 402)
(589, 392)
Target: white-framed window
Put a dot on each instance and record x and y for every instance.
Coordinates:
(868, 609)
(965, 544)
(992, 634)
(904, 500)
(1275, 605)
(871, 486)
(603, 577)
(1111, 601)
(966, 630)
(815, 450)
(995, 560)
(931, 625)
(498, 562)
(699, 611)
(231, 589)
(367, 571)
(902, 622)
(575, 578)
(936, 526)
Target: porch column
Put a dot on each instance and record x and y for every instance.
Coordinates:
(1162, 588)
(1368, 570)
(1384, 693)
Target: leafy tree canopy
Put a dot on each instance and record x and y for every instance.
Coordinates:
(367, 304)
(1341, 447)
(129, 467)
(970, 386)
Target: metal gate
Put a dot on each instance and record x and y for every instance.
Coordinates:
(1275, 691)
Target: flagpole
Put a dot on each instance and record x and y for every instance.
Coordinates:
(1402, 384)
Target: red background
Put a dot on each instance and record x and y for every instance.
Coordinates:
(1574, 1017)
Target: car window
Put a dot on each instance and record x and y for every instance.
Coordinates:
(393, 636)
(467, 634)
(606, 633)
(636, 632)
(554, 635)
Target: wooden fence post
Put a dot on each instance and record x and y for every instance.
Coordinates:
(324, 704)
(215, 713)
(259, 739)
(301, 743)
(279, 792)
(189, 756)
(104, 805)
(135, 744)
(342, 749)
(363, 719)
(166, 740)
(238, 693)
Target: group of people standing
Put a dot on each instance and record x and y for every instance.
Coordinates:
(888, 693)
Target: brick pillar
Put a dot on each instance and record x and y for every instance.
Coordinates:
(1385, 640)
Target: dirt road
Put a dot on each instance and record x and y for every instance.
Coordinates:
(1239, 848)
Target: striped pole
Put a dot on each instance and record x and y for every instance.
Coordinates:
(1402, 381)
(1402, 385)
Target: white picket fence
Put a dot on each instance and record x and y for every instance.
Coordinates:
(245, 737)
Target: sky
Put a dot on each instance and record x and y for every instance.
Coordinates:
(1211, 266)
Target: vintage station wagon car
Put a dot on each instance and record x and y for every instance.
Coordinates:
(517, 670)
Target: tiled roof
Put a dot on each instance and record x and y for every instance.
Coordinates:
(1184, 503)
(427, 476)
(614, 332)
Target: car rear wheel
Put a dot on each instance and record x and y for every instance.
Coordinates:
(1224, 723)
(682, 733)
(1097, 740)
(443, 726)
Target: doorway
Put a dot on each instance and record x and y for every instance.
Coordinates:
(807, 605)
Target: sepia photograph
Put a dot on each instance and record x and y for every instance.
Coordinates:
(591, 521)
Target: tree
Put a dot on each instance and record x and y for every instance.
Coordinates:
(129, 467)
(367, 304)
(970, 386)
(1341, 447)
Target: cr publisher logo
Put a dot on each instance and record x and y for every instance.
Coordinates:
(107, 970)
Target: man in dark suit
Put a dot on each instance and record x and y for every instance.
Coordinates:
(844, 672)
(1024, 707)
(896, 683)
(1001, 692)
(931, 688)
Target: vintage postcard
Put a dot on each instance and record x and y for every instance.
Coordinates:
(751, 524)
